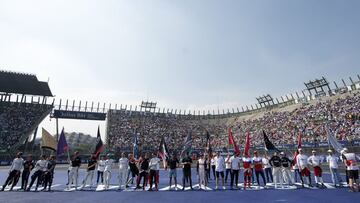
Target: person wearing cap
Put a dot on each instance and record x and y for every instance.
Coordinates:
(286, 168)
(267, 168)
(154, 166)
(316, 161)
(201, 170)
(258, 167)
(235, 168)
(123, 170)
(219, 170)
(352, 168)
(39, 170)
(247, 170)
(90, 169)
(74, 170)
(333, 160)
(275, 162)
(302, 164)
(14, 171)
(107, 171)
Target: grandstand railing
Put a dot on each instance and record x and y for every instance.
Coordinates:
(21, 98)
(284, 147)
(289, 99)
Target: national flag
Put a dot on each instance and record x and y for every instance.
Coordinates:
(99, 144)
(247, 144)
(269, 146)
(208, 148)
(48, 141)
(187, 145)
(332, 140)
(62, 146)
(232, 142)
(163, 151)
(135, 146)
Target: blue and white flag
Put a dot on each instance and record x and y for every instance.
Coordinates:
(332, 140)
(187, 145)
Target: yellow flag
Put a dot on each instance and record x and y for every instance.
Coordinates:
(48, 141)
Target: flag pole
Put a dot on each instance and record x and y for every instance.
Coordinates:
(68, 149)
(68, 153)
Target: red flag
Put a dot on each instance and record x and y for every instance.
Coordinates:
(163, 151)
(232, 142)
(298, 147)
(247, 144)
(99, 144)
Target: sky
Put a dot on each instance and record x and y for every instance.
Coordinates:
(182, 54)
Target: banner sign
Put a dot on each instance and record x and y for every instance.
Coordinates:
(79, 115)
(356, 142)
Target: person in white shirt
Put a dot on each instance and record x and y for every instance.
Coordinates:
(333, 160)
(154, 166)
(302, 164)
(219, 170)
(123, 170)
(212, 164)
(296, 171)
(352, 168)
(14, 171)
(235, 168)
(267, 168)
(227, 167)
(100, 170)
(201, 167)
(107, 171)
(39, 170)
(316, 161)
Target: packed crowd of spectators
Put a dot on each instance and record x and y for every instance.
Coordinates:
(282, 127)
(310, 121)
(16, 119)
(150, 128)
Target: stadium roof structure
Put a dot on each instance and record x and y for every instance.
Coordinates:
(22, 83)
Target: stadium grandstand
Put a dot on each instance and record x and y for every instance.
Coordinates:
(23, 105)
(282, 121)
